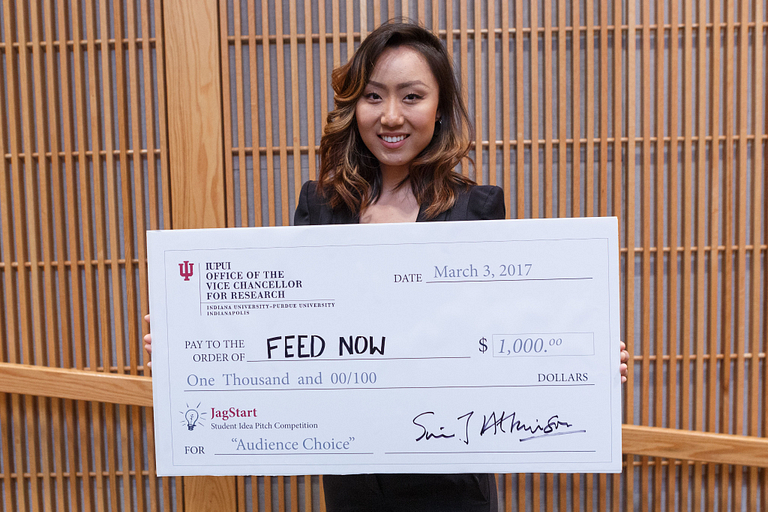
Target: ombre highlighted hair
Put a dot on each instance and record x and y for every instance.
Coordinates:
(349, 173)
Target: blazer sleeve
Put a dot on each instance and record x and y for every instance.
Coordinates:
(486, 202)
(302, 215)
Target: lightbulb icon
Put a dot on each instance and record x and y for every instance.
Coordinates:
(191, 416)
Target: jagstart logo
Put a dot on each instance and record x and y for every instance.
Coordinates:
(193, 416)
(232, 413)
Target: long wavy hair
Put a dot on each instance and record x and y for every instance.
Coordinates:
(349, 173)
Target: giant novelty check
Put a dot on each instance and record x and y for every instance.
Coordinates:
(487, 346)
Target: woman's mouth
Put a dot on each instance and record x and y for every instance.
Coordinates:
(393, 139)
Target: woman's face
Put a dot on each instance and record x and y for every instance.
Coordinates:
(397, 112)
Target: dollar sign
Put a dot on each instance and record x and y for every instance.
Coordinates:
(483, 345)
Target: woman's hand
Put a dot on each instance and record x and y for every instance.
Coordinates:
(148, 344)
(622, 367)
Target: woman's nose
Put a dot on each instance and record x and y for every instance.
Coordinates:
(392, 115)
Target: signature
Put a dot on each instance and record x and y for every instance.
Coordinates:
(432, 427)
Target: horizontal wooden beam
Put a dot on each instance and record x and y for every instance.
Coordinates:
(671, 443)
(134, 390)
(90, 386)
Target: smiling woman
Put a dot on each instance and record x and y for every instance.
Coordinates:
(399, 83)
(388, 155)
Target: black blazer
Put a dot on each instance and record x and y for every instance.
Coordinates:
(480, 202)
(394, 492)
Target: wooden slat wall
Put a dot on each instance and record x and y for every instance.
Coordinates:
(650, 111)
(83, 174)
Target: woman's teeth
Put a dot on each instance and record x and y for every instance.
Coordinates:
(393, 139)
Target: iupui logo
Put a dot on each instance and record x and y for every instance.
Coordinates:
(186, 270)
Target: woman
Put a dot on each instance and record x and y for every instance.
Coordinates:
(391, 145)
(388, 154)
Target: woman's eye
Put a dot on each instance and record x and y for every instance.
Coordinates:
(412, 97)
(372, 96)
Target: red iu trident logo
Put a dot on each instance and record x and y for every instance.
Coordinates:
(186, 270)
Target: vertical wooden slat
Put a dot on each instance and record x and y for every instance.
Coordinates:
(46, 344)
(13, 499)
(520, 108)
(549, 130)
(336, 35)
(324, 78)
(728, 240)
(255, 108)
(196, 165)
(99, 317)
(590, 115)
(162, 134)
(231, 145)
(506, 506)
(562, 112)
(740, 317)
(647, 242)
(603, 170)
(240, 102)
(27, 238)
(562, 165)
(363, 6)
(631, 209)
(435, 16)
(618, 133)
(307, 492)
(534, 49)
(616, 209)
(477, 44)
(506, 134)
(376, 14)
(662, 392)
(281, 115)
(576, 179)
(134, 190)
(80, 230)
(310, 88)
(589, 176)
(673, 294)
(268, 130)
(240, 488)
(281, 494)
(492, 106)
(268, 500)
(61, 337)
(700, 306)
(350, 29)
(687, 211)
(756, 342)
(154, 223)
(762, 147)
(118, 217)
(295, 108)
(714, 417)
(464, 73)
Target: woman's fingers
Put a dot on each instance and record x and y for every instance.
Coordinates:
(148, 342)
(624, 359)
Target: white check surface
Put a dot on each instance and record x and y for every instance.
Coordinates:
(487, 346)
